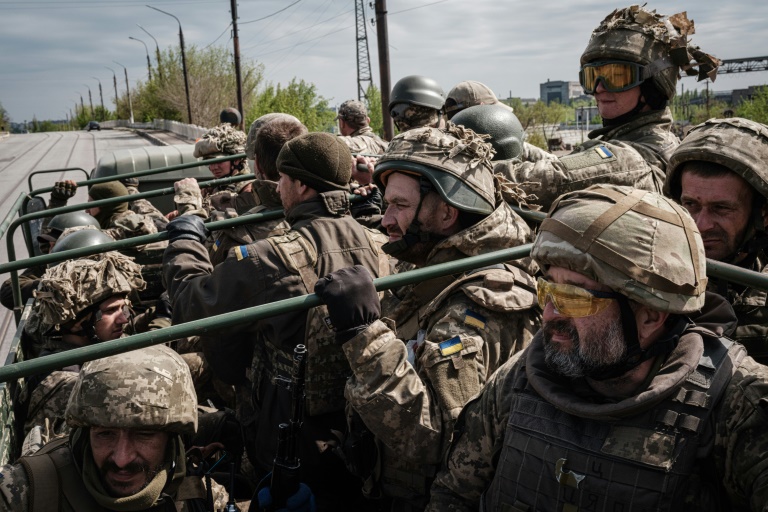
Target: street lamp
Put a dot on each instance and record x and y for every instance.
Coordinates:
(183, 61)
(101, 96)
(157, 50)
(127, 89)
(149, 63)
(90, 98)
(114, 82)
(82, 105)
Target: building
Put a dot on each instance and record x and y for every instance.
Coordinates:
(560, 91)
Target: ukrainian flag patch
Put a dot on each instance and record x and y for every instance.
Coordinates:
(241, 252)
(451, 346)
(216, 245)
(603, 151)
(474, 319)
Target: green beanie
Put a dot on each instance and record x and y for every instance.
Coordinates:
(319, 160)
(108, 190)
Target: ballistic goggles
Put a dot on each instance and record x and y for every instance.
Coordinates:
(573, 301)
(125, 309)
(398, 110)
(616, 75)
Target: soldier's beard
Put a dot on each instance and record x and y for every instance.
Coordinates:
(120, 489)
(605, 348)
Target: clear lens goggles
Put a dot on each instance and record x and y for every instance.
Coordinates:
(616, 75)
(573, 301)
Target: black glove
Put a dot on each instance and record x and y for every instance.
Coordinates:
(63, 190)
(351, 298)
(187, 227)
(163, 308)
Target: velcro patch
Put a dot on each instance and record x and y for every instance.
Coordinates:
(241, 252)
(588, 158)
(474, 319)
(451, 346)
(603, 151)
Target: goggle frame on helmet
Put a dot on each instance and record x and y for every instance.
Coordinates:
(573, 301)
(398, 110)
(616, 75)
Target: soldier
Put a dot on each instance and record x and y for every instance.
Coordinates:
(631, 65)
(453, 331)
(78, 303)
(355, 130)
(313, 186)
(471, 93)
(125, 452)
(417, 101)
(718, 174)
(621, 400)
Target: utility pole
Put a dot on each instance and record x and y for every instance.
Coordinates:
(101, 96)
(183, 62)
(157, 52)
(386, 87)
(363, 57)
(82, 104)
(90, 98)
(149, 63)
(707, 84)
(238, 77)
(114, 81)
(127, 89)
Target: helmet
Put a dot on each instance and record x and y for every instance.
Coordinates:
(455, 160)
(250, 144)
(657, 42)
(66, 290)
(150, 388)
(353, 111)
(222, 140)
(85, 236)
(417, 90)
(230, 115)
(639, 243)
(500, 123)
(739, 144)
(62, 221)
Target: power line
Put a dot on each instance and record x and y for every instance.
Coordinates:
(270, 15)
(414, 8)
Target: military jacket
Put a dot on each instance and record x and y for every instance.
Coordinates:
(436, 348)
(129, 224)
(365, 140)
(697, 433)
(635, 154)
(28, 281)
(235, 195)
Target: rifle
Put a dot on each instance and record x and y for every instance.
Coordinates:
(285, 470)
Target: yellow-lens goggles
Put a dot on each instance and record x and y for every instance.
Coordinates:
(573, 301)
(616, 76)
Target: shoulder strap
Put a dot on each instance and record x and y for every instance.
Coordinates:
(43, 482)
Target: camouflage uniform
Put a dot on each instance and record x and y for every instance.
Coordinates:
(692, 436)
(741, 146)
(144, 389)
(364, 140)
(265, 271)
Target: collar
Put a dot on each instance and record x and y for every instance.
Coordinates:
(326, 204)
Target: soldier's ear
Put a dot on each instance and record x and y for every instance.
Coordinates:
(650, 324)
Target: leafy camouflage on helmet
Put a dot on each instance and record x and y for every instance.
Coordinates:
(416, 116)
(74, 285)
(636, 242)
(658, 42)
(149, 388)
(224, 139)
(739, 144)
(463, 156)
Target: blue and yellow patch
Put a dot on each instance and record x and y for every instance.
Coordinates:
(241, 252)
(451, 346)
(603, 151)
(474, 319)
(216, 245)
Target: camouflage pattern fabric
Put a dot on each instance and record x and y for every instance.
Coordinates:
(129, 224)
(634, 154)
(48, 402)
(465, 327)
(740, 428)
(533, 153)
(189, 199)
(365, 140)
(224, 139)
(353, 111)
(416, 116)
(144, 207)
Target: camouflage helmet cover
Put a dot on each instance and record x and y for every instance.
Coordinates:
(657, 42)
(639, 243)
(253, 131)
(503, 126)
(739, 144)
(222, 140)
(353, 111)
(456, 160)
(150, 388)
(72, 286)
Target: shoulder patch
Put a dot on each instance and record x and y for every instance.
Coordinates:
(474, 319)
(216, 245)
(451, 346)
(588, 158)
(241, 252)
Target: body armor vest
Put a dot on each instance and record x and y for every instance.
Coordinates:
(657, 460)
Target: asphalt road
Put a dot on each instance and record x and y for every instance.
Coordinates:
(20, 155)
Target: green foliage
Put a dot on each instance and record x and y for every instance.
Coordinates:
(539, 120)
(373, 104)
(5, 119)
(298, 98)
(755, 109)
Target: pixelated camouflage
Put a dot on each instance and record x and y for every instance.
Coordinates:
(658, 42)
(222, 140)
(146, 388)
(739, 144)
(416, 116)
(638, 243)
(462, 159)
(253, 132)
(74, 285)
(364, 140)
(354, 112)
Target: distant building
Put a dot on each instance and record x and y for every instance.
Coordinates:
(560, 91)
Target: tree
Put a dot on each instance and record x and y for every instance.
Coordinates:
(298, 98)
(373, 104)
(5, 119)
(755, 109)
(540, 121)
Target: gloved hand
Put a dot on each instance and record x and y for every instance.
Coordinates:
(187, 227)
(163, 308)
(351, 298)
(302, 501)
(63, 190)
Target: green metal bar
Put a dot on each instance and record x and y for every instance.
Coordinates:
(47, 171)
(13, 211)
(215, 323)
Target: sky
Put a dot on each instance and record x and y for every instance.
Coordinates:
(53, 51)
